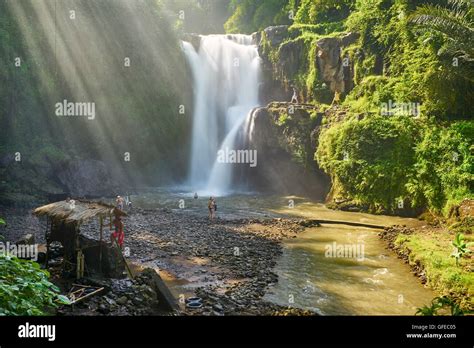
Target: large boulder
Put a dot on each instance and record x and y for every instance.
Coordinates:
(290, 53)
(291, 57)
(293, 52)
(87, 178)
(276, 34)
(193, 39)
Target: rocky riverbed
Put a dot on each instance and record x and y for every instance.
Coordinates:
(227, 262)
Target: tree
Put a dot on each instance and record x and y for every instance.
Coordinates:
(253, 15)
(455, 21)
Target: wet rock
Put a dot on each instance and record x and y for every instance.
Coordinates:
(276, 34)
(28, 239)
(193, 39)
(122, 300)
(103, 309)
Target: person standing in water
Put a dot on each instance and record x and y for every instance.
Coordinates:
(211, 206)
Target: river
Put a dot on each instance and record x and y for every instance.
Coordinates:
(377, 284)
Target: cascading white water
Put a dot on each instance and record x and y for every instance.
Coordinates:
(226, 73)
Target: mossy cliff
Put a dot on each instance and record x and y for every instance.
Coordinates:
(396, 131)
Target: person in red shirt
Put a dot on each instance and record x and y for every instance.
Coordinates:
(118, 233)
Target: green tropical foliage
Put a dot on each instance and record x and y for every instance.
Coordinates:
(444, 168)
(439, 303)
(461, 247)
(455, 21)
(249, 16)
(370, 160)
(196, 16)
(25, 288)
(320, 11)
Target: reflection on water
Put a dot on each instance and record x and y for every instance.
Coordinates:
(380, 284)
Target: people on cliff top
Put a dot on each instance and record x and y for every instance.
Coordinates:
(294, 99)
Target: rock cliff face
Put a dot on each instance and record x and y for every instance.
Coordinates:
(29, 183)
(285, 57)
(330, 64)
(83, 178)
(335, 70)
(282, 134)
(287, 134)
(276, 34)
(273, 87)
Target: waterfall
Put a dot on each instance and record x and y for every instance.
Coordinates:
(226, 73)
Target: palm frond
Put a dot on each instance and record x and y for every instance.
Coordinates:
(454, 21)
(461, 3)
(443, 20)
